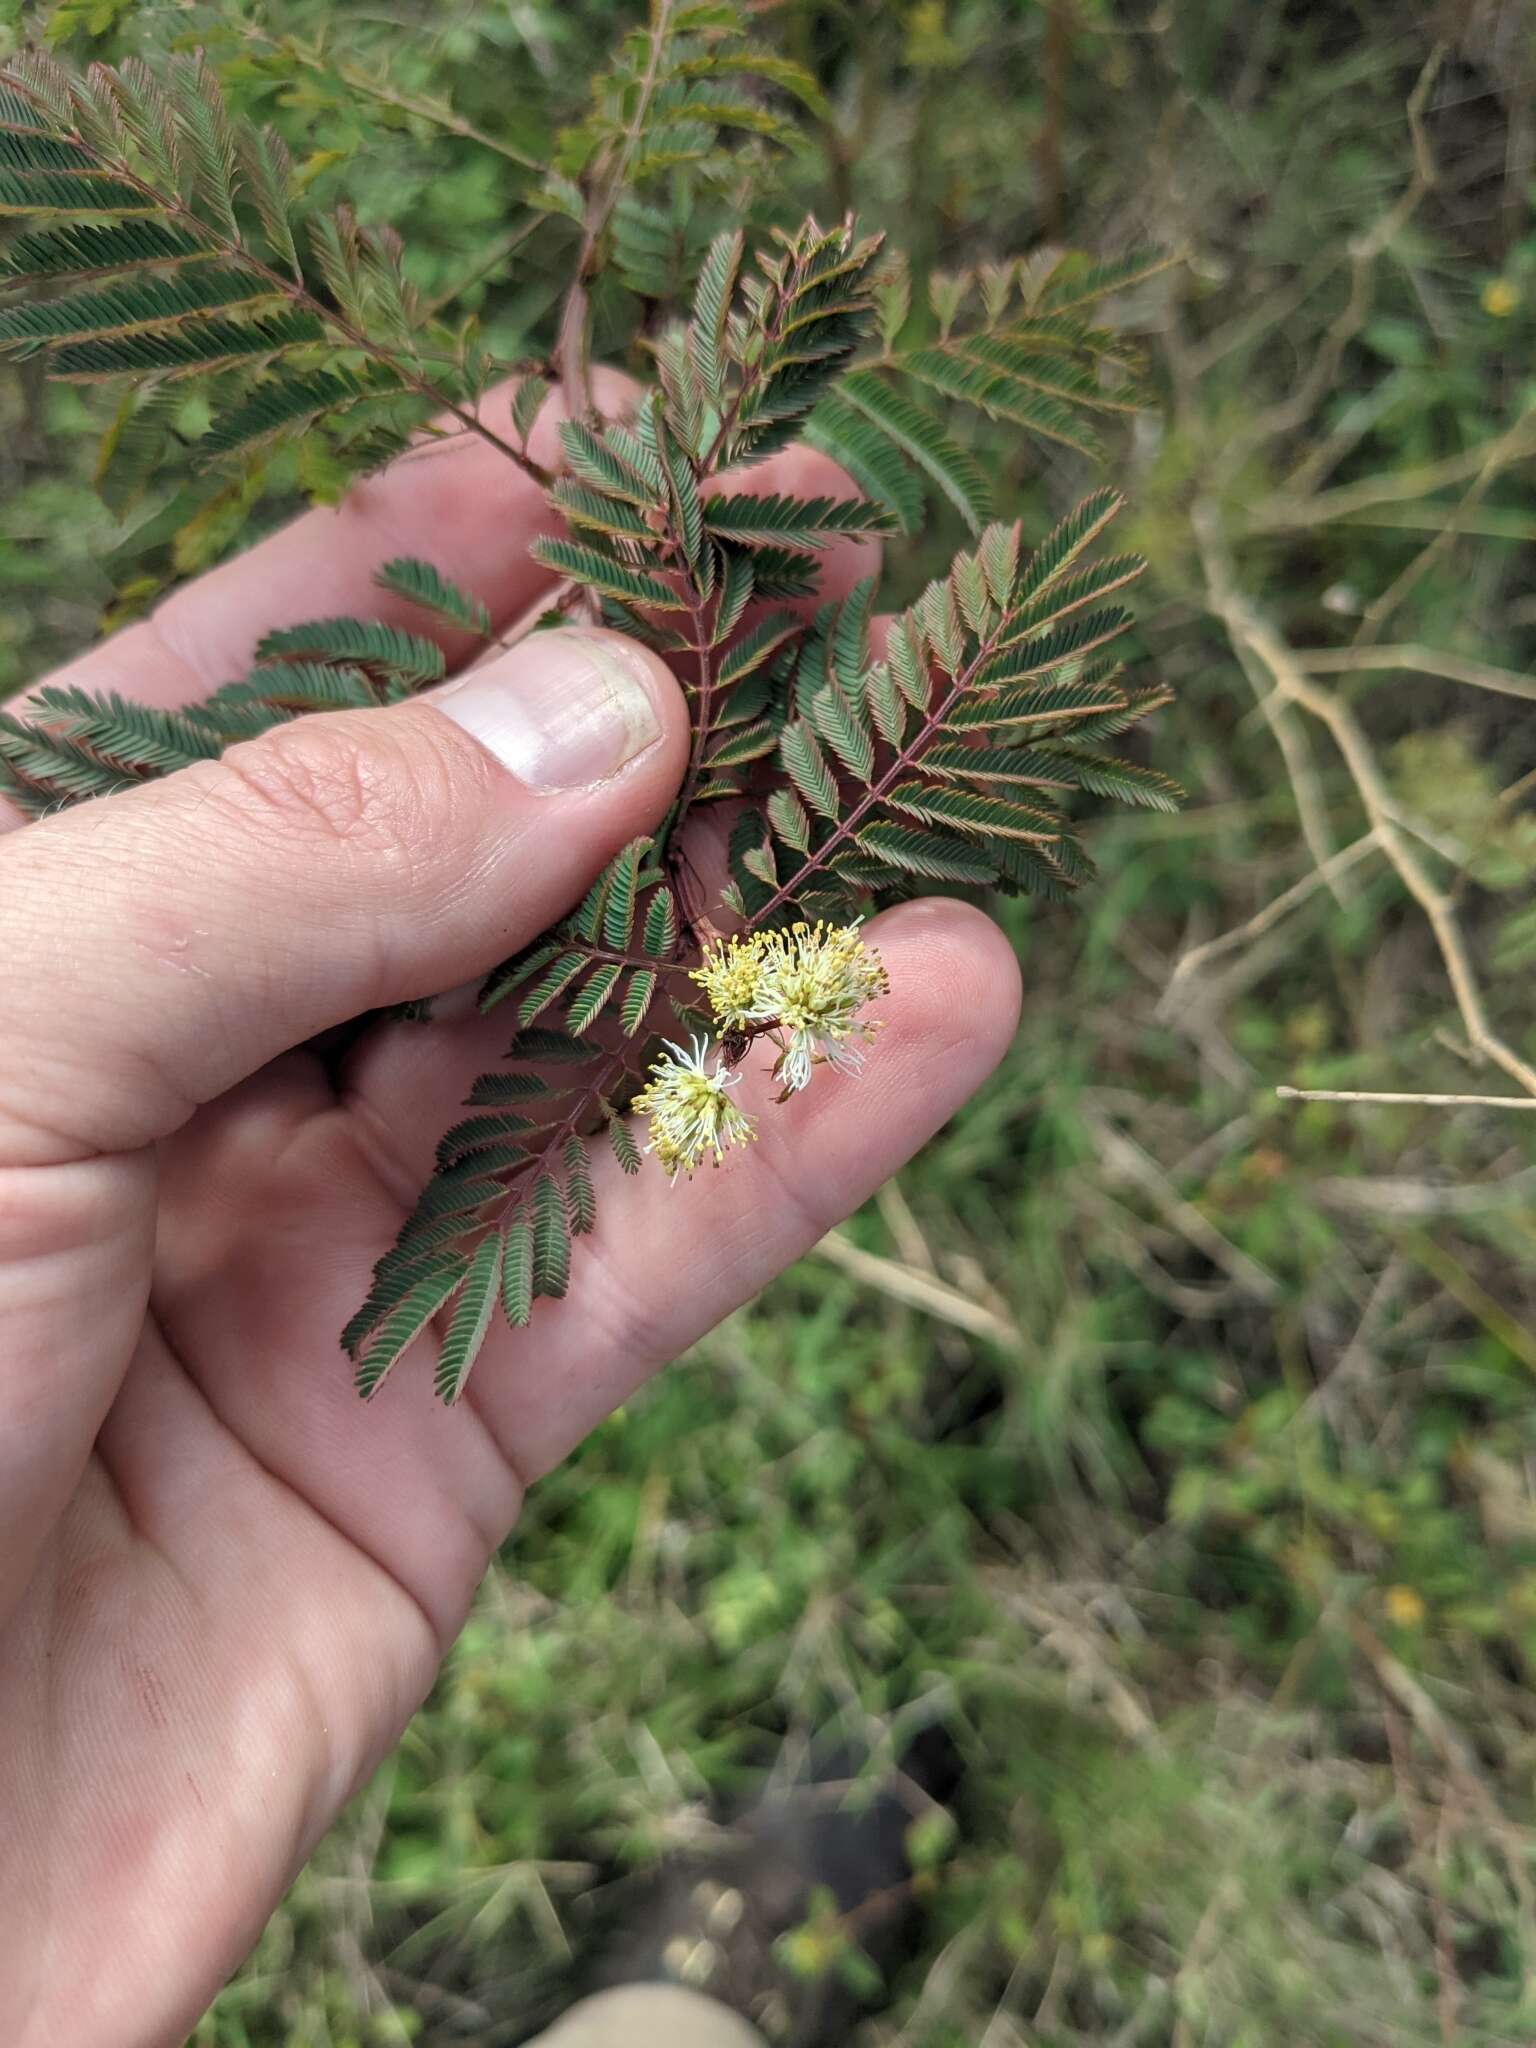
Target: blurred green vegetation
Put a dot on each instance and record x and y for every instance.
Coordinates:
(1177, 1453)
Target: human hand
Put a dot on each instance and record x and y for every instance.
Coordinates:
(224, 1585)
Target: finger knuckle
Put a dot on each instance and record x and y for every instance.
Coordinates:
(320, 785)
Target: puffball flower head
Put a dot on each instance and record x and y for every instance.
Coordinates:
(690, 1109)
(731, 975)
(805, 986)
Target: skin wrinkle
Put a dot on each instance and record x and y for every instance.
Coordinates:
(303, 1708)
(44, 1185)
(66, 1588)
(441, 1629)
(375, 1145)
(157, 1330)
(486, 1538)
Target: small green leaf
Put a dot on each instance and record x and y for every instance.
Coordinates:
(471, 1319)
(559, 978)
(659, 933)
(405, 1324)
(619, 895)
(638, 997)
(426, 586)
(932, 855)
(551, 1239)
(625, 1150)
(580, 1196)
(517, 1274)
(807, 768)
(923, 440)
(587, 1006)
(605, 573)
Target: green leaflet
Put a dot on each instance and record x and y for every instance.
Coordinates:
(605, 573)
(179, 352)
(870, 456)
(360, 643)
(711, 304)
(1130, 781)
(660, 933)
(638, 997)
(619, 894)
(790, 522)
(471, 1319)
(1001, 396)
(923, 440)
(477, 1133)
(970, 810)
(66, 192)
(594, 459)
(517, 1273)
(132, 307)
(551, 1239)
(584, 1012)
(405, 1324)
(625, 1150)
(82, 250)
(281, 403)
(807, 768)
(133, 737)
(756, 646)
(427, 587)
(934, 856)
(580, 1197)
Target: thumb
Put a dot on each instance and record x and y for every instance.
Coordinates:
(164, 944)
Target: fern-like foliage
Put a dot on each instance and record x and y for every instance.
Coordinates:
(1016, 344)
(857, 764)
(178, 245)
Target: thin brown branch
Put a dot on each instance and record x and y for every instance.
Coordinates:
(437, 112)
(1424, 661)
(1125, 1160)
(1253, 636)
(1512, 444)
(1381, 608)
(914, 1288)
(573, 344)
(1387, 1095)
(1311, 810)
(369, 85)
(1279, 907)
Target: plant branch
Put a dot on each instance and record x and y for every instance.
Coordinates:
(1512, 444)
(1273, 912)
(572, 348)
(299, 294)
(900, 761)
(1379, 1095)
(1424, 661)
(1253, 637)
(1281, 420)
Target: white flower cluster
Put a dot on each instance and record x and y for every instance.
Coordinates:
(690, 1110)
(802, 989)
